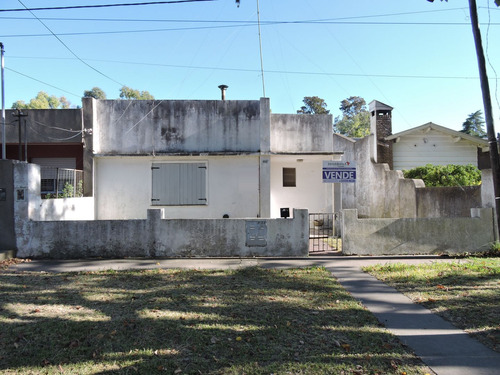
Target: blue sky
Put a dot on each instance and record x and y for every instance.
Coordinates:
(415, 56)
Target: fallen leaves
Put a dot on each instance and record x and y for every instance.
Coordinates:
(442, 287)
(6, 263)
(346, 347)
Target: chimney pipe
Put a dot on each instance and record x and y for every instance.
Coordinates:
(223, 91)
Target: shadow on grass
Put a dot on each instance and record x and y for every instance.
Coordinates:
(250, 320)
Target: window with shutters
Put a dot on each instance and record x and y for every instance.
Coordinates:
(179, 184)
(289, 177)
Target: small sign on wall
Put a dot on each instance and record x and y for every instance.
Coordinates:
(20, 195)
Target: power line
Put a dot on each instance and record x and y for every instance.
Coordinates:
(254, 70)
(70, 50)
(232, 21)
(245, 25)
(34, 129)
(253, 23)
(104, 5)
(56, 127)
(45, 83)
(126, 31)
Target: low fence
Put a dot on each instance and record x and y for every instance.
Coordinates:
(158, 237)
(414, 236)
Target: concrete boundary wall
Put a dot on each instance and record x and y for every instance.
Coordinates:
(158, 237)
(81, 208)
(411, 236)
(447, 201)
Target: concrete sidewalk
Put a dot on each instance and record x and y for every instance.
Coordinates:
(444, 348)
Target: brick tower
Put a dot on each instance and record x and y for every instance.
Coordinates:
(381, 127)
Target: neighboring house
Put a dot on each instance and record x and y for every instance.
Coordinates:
(51, 138)
(434, 144)
(205, 158)
(381, 191)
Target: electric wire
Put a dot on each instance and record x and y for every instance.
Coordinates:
(187, 74)
(56, 127)
(143, 117)
(237, 21)
(249, 24)
(123, 113)
(104, 5)
(35, 130)
(45, 83)
(229, 40)
(294, 72)
(70, 50)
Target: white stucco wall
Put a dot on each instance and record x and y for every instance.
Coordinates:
(140, 127)
(310, 192)
(65, 209)
(123, 187)
(301, 133)
(433, 147)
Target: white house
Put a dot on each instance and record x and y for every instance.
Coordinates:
(434, 144)
(205, 159)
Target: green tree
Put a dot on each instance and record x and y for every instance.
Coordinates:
(129, 93)
(355, 119)
(473, 125)
(95, 93)
(43, 101)
(313, 105)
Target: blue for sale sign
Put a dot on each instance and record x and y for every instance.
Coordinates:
(339, 171)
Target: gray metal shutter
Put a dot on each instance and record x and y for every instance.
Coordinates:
(176, 184)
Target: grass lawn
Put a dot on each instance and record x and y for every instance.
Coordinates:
(466, 292)
(246, 321)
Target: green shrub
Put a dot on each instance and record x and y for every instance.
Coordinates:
(68, 191)
(446, 175)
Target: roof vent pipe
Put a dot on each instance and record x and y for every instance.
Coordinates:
(223, 91)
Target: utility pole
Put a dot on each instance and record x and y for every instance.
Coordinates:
(488, 111)
(4, 155)
(20, 115)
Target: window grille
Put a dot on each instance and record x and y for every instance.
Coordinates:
(57, 180)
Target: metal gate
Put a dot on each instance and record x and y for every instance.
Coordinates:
(323, 236)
